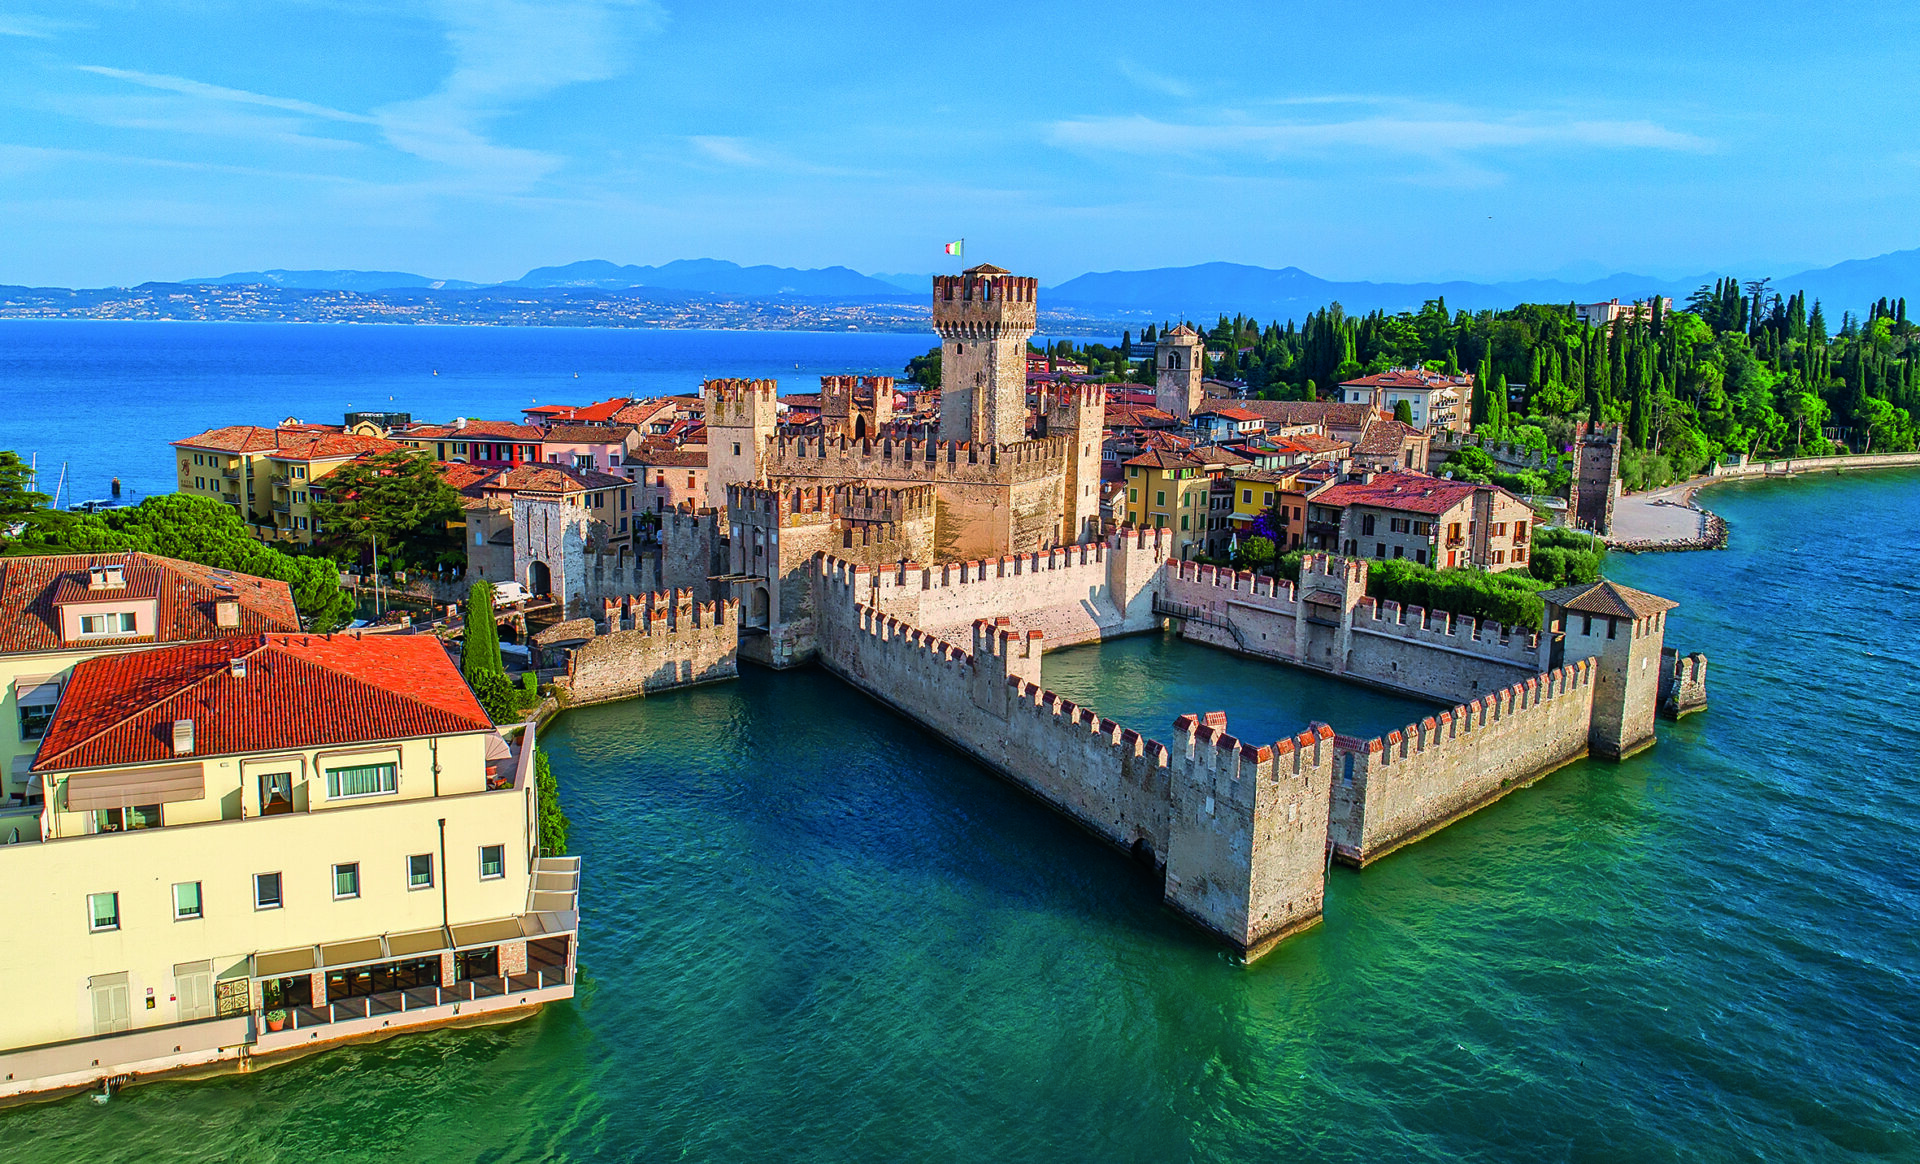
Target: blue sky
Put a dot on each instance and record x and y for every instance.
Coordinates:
(475, 139)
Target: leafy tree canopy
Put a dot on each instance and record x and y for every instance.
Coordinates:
(396, 498)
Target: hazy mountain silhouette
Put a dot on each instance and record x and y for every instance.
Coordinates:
(711, 276)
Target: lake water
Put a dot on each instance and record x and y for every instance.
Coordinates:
(105, 397)
(811, 932)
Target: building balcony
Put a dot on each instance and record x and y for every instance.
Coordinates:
(281, 507)
(232, 474)
(1455, 542)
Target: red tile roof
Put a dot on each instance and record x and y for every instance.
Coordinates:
(1608, 598)
(1387, 436)
(485, 430)
(1407, 492)
(668, 458)
(550, 479)
(299, 691)
(1229, 412)
(320, 446)
(234, 438)
(187, 591)
(1415, 378)
(465, 479)
(1162, 459)
(1325, 412)
(588, 434)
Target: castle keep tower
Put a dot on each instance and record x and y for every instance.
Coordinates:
(984, 317)
(740, 420)
(1177, 361)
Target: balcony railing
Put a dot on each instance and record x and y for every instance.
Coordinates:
(281, 507)
(415, 998)
(231, 474)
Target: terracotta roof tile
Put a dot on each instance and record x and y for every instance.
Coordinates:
(1608, 598)
(1406, 492)
(187, 591)
(550, 479)
(299, 691)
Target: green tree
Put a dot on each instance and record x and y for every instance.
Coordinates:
(1254, 553)
(925, 370)
(397, 499)
(1403, 411)
(480, 644)
(194, 529)
(18, 503)
(554, 826)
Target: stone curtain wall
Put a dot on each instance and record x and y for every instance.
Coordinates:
(1240, 830)
(1391, 791)
(653, 643)
(1431, 654)
(1816, 465)
(1077, 594)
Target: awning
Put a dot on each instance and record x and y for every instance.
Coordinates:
(117, 789)
(487, 933)
(350, 953)
(281, 963)
(36, 690)
(498, 748)
(417, 942)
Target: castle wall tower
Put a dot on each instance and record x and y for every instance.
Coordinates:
(740, 422)
(1177, 361)
(1622, 630)
(1080, 412)
(984, 318)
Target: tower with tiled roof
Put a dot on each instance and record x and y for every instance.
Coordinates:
(1622, 630)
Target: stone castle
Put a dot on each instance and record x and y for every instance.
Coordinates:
(931, 570)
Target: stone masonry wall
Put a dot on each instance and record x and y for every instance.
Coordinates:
(1433, 655)
(1390, 791)
(1683, 683)
(1076, 594)
(652, 643)
(1240, 830)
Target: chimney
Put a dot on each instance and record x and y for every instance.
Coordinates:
(459, 422)
(238, 666)
(116, 576)
(183, 737)
(226, 613)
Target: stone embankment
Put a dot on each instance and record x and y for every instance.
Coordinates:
(1670, 518)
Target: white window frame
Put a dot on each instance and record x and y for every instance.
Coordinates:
(199, 901)
(332, 781)
(279, 891)
(411, 858)
(339, 896)
(93, 917)
(486, 876)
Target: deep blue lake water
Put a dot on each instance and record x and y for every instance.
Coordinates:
(813, 933)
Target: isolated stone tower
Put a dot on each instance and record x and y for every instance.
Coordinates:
(1079, 411)
(740, 420)
(1597, 450)
(984, 317)
(1177, 362)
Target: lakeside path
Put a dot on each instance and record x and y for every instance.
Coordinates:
(1669, 518)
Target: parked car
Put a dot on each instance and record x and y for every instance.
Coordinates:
(508, 593)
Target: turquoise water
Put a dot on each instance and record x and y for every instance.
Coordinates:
(813, 933)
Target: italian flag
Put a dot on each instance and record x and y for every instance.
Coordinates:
(953, 248)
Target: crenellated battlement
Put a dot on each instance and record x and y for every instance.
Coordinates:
(1683, 683)
(984, 305)
(827, 455)
(738, 392)
(860, 389)
(666, 612)
(1480, 714)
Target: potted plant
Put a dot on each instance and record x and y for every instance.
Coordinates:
(271, 996)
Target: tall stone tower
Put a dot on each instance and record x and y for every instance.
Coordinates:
(984, 317)
(856, 407)
(1079, 411)
(1177, 363)
(1597, 450)
(740, 420)
(1622, 630)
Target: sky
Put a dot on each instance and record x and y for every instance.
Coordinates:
(476, 139)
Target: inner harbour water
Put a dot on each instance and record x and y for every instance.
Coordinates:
(811, 932)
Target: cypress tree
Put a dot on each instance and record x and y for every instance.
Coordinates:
(481, 649)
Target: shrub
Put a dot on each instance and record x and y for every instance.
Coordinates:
(1511, 598)
(552, 819)
(496, 694)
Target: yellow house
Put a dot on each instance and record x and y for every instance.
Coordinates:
(61, 610)
(267, 474)
(262, 844)
(1168, 490)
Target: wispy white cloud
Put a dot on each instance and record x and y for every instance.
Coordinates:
(728, 151)
(1148, 79)
(33, 27)
(204, 91)
(506, 52)
(1431, 137)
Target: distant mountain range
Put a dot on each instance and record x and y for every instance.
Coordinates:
(1290, 293)
(1120, 296)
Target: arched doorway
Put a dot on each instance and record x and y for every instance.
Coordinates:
(539, 579)
(860, 429)
(757, 611)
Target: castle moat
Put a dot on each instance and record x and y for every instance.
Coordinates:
(815, 932)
